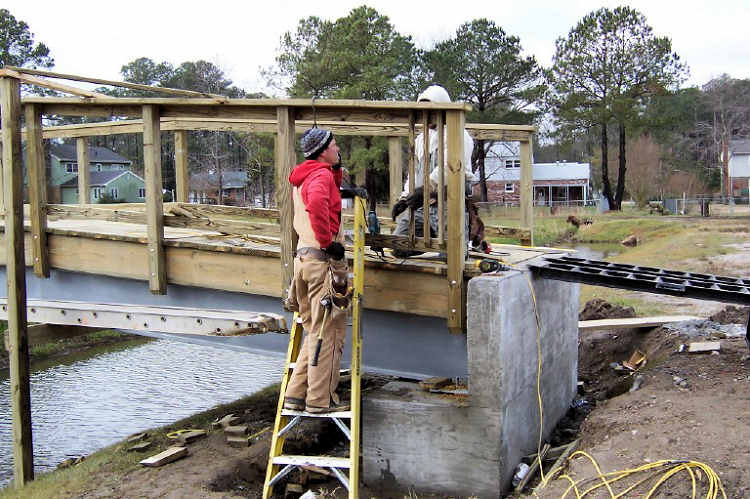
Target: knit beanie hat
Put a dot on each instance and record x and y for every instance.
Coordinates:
(314, 141)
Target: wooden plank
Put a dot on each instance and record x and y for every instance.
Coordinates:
(633, 322)
(169, 455)
(456, 239)
(76, 108)
(426, 163)
(10, 108)
(441, 166)
(704, 346)
(285, 159)
(134, 86)
(572, 446)
(157, 282)
(35, 165)
(403, 242)
(41, 82)
(84, 171)
(182, 178)
(395, 169)
(532, 469)
(527, 189)
(412, 167)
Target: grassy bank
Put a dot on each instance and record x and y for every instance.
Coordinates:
(107, 467)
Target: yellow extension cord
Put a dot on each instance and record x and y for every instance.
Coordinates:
(666, 468)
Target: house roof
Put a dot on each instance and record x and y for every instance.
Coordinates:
(100, 179)
(542, 171)
(67, 152)
(740, 146)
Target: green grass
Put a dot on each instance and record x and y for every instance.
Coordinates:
(103, 468)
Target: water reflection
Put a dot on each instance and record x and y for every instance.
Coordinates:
(84, 406)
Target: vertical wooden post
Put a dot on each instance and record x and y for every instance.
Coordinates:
(10, 106)
(37, 188)
(412, 181)
(84, 173)
(426, 164)
(395, 168)
(441, 166)
(285, 159)
(157, 268)
(456, 219)
(361, 177)
(527, 189)
(182, 179)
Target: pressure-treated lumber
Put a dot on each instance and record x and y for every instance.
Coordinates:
(41, 82)
(632, 322)
(426, 163)
(285, 159)
(527, 189)
(157, 267)
(84, 172)
(182, 179)
(396, 168)
(456, 239)
(37, 189)
(10, 107)
(135, 86)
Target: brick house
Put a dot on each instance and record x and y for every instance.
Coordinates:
(559, 183)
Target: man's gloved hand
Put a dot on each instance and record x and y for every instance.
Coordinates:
(335, 250)
(351, 191)
(399, 208)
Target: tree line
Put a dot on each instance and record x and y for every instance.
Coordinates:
(613, 96)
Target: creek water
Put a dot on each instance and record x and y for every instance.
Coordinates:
(84, 405)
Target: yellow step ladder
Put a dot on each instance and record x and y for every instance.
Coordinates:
(279, 464)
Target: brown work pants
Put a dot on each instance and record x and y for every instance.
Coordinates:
(311, 282)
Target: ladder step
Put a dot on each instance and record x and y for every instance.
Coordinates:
(342, 414)
(322, 461)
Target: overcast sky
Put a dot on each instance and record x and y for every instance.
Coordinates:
(98, 38)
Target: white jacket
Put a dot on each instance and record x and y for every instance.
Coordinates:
(434, 170)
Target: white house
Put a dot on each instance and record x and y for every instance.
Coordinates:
(739, 165)
(554, 183)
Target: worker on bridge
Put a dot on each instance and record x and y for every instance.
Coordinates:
(320, 275)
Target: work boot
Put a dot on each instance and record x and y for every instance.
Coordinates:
(332, 407)
(294, 404)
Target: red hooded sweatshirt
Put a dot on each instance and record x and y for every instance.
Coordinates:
(319, 186)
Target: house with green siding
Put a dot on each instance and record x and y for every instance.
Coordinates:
(110, 174)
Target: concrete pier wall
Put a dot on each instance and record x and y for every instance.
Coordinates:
(436, 443)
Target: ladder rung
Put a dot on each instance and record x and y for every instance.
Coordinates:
(342, 414)
(322, 461)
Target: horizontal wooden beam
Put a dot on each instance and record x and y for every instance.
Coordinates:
(41, 82)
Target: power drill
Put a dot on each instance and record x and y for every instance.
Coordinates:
(373, 227)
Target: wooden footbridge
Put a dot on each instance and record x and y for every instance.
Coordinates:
(232, 249)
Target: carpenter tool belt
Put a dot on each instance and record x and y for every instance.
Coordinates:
(311, 252)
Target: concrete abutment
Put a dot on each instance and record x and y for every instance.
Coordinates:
(413, 440)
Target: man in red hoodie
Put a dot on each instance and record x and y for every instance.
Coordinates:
(319, 270)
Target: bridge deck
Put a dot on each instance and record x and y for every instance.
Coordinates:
(241, 263)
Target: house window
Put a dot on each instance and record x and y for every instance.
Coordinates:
(115, 193)
(71, 167)
(512, 163)
(142, 192)
(97, 192)
(509, 188)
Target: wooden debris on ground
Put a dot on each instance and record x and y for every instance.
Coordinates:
(169, 455)
(560, 462)
(636, 361)
(228, 420)
(532, 469)
(238, 441)
(237, 430)
(141, 446)
(191, 436)
(137, 437)
(434, 383)
(704, 346)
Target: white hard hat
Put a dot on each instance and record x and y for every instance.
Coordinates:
(434, 93)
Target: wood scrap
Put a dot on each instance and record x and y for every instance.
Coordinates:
(169, 455)
(237, 431)
(704, 346)
(141, 446)
(532, 469)
(571, 447)
(228, 420)
(238, 441)
(434, 383)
